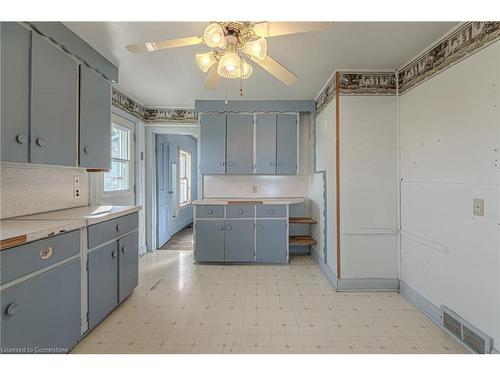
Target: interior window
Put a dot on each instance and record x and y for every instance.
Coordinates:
(118, 178)
(184, 177)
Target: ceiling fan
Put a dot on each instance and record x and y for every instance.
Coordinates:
(233, 43)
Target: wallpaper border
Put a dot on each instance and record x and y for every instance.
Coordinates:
(152, 115)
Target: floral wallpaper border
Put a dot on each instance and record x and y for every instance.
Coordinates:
(460, 44)
(152, 115)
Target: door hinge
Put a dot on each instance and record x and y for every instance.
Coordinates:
(87, 316)
(135, 188)
(87, 265)
(133, 136)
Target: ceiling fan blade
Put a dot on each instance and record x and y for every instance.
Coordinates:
(163, 44)
(277, 70)
(267, 29)
(212, 79)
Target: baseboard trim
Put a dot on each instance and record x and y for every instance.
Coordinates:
(423, 304)
(143, 249)
(368, 285)
(330, 275)
(181, 225)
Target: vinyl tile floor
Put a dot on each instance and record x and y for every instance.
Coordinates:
(181, 307)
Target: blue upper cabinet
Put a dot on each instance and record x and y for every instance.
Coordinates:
(265, 143)
(95, 120)
(15, 73)
(286, 144)
(239, 152)
(213, 143)
(54, 104)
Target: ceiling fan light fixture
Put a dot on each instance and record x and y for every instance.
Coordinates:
(205, 60)
(214, 36)
(246, 69)
(229, 65)
(256, 48)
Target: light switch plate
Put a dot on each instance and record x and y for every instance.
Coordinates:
(478, 209)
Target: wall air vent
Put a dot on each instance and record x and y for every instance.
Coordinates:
(472, 337)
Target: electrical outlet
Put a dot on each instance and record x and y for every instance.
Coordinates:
(76, 193)
(76, 181)
(254, 189)
(478, 209)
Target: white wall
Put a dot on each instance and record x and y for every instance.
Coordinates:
(449, 130)
(29, 189)
(325, 161)
(368, 187)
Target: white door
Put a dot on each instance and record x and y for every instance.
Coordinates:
(117, 187)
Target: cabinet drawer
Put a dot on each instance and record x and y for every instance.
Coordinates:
(108, 230)
(209, 211)
(42, 314)
(240, 211)
(22, 260)
(273, 210)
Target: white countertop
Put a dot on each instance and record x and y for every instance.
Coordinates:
(39, 226)
(257, 200)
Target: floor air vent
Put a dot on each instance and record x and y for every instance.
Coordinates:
(465, 332)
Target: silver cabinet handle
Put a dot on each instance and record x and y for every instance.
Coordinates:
(230, 163)
(210, 211)
(241, 211)
(86, 150)
(221, 227)
(40, 142)
(118, 227)
(46, 252)
(272, 163)
(21, 138)
(12, 309)
(123, 250)
(229, 227)
(280, 164)
(113, 254)
(261, 227)
(271, 211)
(222, 163)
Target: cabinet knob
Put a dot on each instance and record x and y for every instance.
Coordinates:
(280, 164)
(113, 254)
(40, 142)
(241, 211)
(46, 252)
(230, 163)
(272, 164)
(123, 250)
(221, 227)
(229, 227)
(222, 163)
(261, 227)
(21, 138)
(12, 309)
(86, 150)
(118, 227)
(271, 211)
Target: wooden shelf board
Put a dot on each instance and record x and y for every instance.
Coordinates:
(301, 241)
(302, 220)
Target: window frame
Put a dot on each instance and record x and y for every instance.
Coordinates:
(188, 177)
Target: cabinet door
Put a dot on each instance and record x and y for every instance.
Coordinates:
(286, 144)
(271, 237)
(95, 120)
(102, 282)
(43, 312)
(265, 141)
(128, 271)
(213, 144)
(210, 241)
(15, 72)
(239, 241)
(54, 85)
(239, 157)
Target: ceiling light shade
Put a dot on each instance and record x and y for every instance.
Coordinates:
(246, 69)
(205, 60)
(214, 36)
(229, 65)
(256, 48)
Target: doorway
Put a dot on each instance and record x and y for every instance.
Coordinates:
(164, 190)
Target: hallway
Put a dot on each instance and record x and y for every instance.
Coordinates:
(181, 307)
(182, 240)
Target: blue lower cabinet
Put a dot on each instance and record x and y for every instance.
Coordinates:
(210, 241)
(42, 314)
(239, 240)
(102, 282)
(128, 271)
(271, 240)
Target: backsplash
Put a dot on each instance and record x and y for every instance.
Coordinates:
(28, 189)
(266, 186)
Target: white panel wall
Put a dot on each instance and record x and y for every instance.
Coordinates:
(368, 186)
(325, 161)
(450, 129)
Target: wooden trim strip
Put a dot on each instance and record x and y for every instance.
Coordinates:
(337, 166)
(245, 202)
(11, 242)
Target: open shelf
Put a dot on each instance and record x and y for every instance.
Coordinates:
(302, 220)
(301, 241)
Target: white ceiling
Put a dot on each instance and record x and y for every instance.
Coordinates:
(171, 78)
